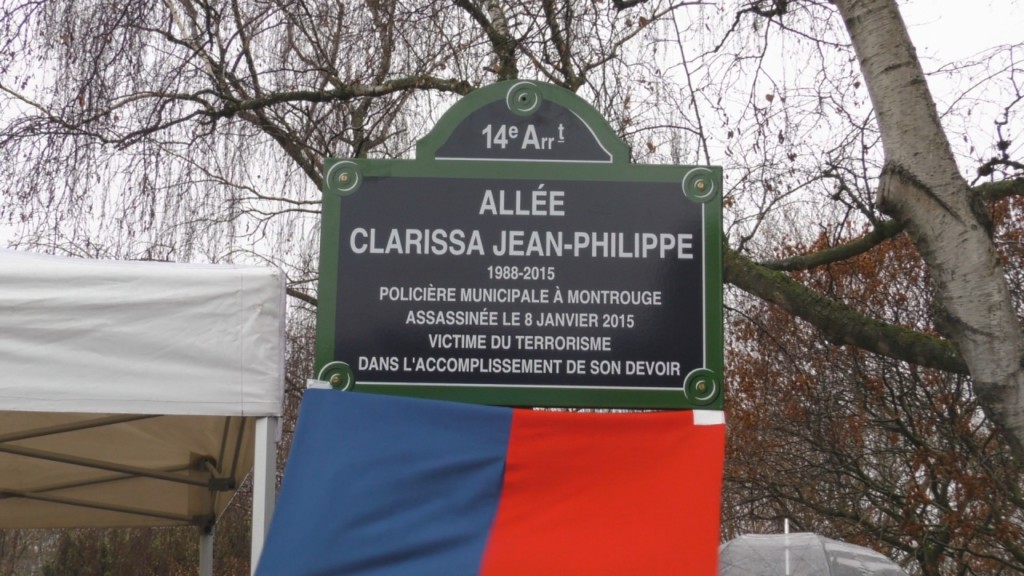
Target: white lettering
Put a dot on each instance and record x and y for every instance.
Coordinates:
(539, 202)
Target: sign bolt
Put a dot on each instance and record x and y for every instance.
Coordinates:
(335, 379)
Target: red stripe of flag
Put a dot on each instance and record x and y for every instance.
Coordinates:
(615, 494)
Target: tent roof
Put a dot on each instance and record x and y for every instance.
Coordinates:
(139, 337)
(800, 554)
(129, 389)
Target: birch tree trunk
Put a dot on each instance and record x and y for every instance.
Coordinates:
(921, 186)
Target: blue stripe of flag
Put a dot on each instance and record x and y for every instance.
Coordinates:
(391, 467)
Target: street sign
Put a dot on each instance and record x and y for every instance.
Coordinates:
(521, 259)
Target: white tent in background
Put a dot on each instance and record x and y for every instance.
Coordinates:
(800, 554)
(137, 393)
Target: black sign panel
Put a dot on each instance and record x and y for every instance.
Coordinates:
(501, 282)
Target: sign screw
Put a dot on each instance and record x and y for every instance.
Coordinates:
(702, 386)
(343, 177)
(700, 185)
(335, 379)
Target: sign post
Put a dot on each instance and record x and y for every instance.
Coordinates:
(521, 259)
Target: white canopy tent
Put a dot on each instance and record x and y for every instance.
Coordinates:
(800, 554)
(137, 393)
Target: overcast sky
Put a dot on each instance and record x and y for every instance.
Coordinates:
(955, 29)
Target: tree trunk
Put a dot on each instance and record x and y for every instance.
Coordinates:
(921, 185)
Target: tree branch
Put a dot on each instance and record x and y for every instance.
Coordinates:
(307, 298)
(884, 231)
(345, 93)
(838, 322)
(496, 29)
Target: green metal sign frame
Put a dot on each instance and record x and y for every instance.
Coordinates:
(522, 259)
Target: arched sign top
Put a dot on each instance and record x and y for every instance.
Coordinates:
(520, 120)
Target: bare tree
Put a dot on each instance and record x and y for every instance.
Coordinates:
(858, 446)
(921, 186)
(13, 548)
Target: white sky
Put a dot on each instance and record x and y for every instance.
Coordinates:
(954, 29)
(945, 31)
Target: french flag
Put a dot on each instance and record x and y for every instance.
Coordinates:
(380, 485)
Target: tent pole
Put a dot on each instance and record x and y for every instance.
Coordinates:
(205, 553)
(264, 483)
(785, 528)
